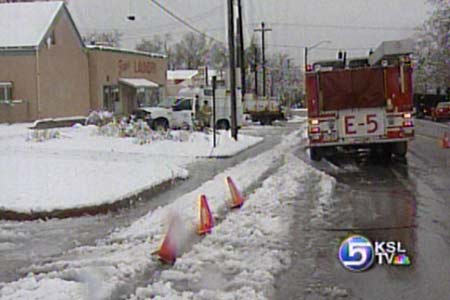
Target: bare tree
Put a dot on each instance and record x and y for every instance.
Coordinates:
(160, 45)
(191, 51)
(155, 45)
(111, 38)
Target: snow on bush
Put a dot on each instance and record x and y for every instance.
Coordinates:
(140, 132)
(99, 117)
(42, 135)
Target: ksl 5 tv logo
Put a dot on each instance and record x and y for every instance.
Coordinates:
(357, 253)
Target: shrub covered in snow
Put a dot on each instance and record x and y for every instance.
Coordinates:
(140, 131)
(42, 135)
(99, 117)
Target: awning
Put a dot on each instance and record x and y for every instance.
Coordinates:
(5, 84)
(138, 82)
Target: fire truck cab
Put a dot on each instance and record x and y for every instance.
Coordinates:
(367, 103)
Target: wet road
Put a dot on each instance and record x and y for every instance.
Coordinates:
(25, 243)
(402, 201)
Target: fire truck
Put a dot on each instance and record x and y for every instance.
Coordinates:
(365, 103)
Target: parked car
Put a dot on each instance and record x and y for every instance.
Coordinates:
(441, 111)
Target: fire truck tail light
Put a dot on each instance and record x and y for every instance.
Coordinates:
(314, 122)
(315, 130)
(407, 116)
(309, 68)
(408, 124)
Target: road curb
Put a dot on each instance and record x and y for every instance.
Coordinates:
(125, 202)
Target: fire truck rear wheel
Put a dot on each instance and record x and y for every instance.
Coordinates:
(315, 154)
(400, 149)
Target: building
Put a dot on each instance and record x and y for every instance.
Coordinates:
(180, 79)
(121, 80)
(46, 71)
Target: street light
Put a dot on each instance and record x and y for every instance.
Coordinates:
(311, 48)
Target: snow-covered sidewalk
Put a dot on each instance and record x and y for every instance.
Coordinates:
(244, 253)
(116, 265)
(80, 168)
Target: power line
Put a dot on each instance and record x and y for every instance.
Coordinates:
(187, 24)
(335, 26)
(172, 33)
(318, 48)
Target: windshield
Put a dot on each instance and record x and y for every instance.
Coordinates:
(443, 104)
(167, 102)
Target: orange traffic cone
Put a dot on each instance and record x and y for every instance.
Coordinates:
(168, 251)
(236, 197)
(205, 216)
(445, 141)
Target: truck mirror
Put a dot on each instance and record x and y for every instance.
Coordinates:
(340, 55)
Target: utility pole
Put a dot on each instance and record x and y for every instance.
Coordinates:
(241, 49)
(214, 83)
(232, 68)
(263, 31)
(256, 70)
(306, 59)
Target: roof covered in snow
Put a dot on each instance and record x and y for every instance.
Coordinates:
(123, 50)
(24, 25)
(181, 74)
(138, 82)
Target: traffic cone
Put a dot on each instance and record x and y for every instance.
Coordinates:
(205, 216)
(236, 197)
(445, 141)
(168, 251)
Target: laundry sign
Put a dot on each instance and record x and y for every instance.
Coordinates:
(136, 66)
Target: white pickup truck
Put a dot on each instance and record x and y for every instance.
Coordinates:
(184, 109)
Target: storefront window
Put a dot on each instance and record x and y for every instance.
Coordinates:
(147, 97)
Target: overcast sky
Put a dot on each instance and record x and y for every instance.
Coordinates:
(356, 25)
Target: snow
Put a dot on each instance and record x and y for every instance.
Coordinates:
(245, 252)
(124, 50)
(50, 183)
(115, 263)
(138, 82)
(297, 119)
(45, 288)
(181, 74)
(25, 24)
(82, 168)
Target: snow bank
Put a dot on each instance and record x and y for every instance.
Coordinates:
(242, 256)
(51, 183)
(80, 168)
(115, 264)
(46, 288)
(297, 119)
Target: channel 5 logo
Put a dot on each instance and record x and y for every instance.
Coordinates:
(357, 253)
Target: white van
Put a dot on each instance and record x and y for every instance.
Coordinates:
(188, 103)
(192, 99)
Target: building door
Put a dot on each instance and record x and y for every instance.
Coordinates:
(110, 97)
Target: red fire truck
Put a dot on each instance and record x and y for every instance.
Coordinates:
(364, 103)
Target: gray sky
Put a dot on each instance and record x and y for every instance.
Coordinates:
(356, 25)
